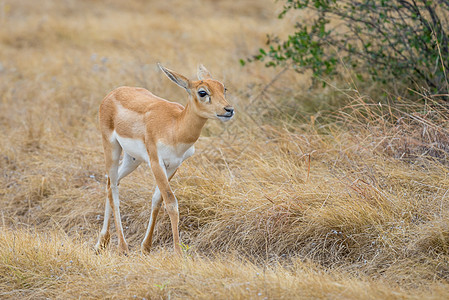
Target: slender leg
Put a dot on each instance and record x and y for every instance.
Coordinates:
(155, 207)
(156, 202)
(115, 204)
(105, 236)
(171, 205)
(112, 162)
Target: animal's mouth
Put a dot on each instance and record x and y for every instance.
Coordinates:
(229, 114)
(226, 117)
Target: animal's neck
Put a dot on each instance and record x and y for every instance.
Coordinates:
(189, 125)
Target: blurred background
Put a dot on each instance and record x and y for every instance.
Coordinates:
(332, 187)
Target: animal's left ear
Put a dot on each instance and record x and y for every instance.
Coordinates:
(203, 73)
(177, 78)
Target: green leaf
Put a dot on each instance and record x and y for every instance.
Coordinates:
(377, 43)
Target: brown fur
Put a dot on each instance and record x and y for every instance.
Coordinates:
(138, 114)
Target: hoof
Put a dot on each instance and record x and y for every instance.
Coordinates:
(123, 250)
(178, 251)
(102, 243)
(145, 250)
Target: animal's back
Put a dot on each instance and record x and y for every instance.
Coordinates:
(130, 105)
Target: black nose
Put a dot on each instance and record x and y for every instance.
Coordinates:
(229, 110)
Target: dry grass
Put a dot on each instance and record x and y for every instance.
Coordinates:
(279, 203)
(59, 267)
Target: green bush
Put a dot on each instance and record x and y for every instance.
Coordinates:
(405, 40)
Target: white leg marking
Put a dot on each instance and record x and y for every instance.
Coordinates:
(113, 176)
(105, 229)
(156, 202)
(107, 217)
(155, 206)
(128, 165)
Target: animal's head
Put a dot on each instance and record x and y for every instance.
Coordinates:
(208, 96)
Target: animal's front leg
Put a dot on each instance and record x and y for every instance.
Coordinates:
(155, 207)
(171, 203)
(156, 202)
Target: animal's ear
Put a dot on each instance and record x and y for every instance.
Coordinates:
(177, 78)
(203, 73)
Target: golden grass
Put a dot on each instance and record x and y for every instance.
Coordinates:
(279, 203)
(54, 266)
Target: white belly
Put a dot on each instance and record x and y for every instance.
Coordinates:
(135, 148)
(171, 157)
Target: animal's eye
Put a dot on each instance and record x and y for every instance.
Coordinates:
(202, 93)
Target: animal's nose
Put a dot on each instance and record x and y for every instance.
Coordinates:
(229, 110)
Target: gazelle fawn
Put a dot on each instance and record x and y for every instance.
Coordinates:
(159, 133)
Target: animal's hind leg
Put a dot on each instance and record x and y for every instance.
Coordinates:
(105, 236)
(112, 151)
(128, 165)
(113, 195)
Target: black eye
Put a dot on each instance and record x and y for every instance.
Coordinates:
(202, 93)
